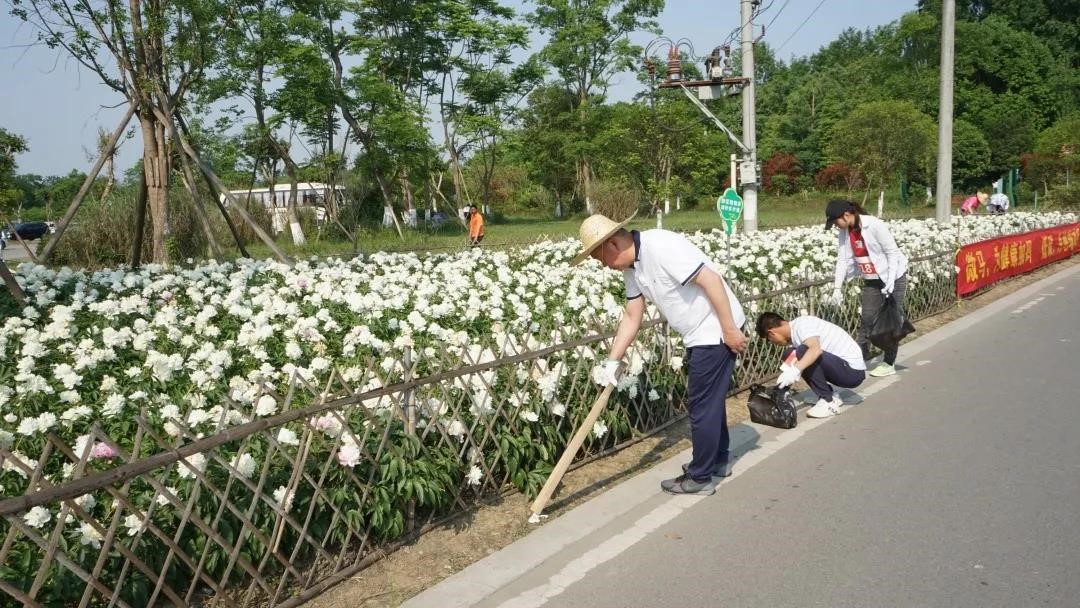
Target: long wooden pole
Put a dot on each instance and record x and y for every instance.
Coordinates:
(568, 454)
(106, 151)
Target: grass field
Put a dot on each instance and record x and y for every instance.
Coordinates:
(516, 231)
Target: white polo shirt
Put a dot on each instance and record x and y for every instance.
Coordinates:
(832, 338)
(663, 272)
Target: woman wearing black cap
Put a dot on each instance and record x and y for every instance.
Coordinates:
(865, 248)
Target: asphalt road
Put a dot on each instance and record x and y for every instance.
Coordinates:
(956, 484)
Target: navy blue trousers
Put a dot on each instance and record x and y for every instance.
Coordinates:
(709, 378)
(828, 369)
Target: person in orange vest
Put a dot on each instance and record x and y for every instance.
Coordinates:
(476, 226)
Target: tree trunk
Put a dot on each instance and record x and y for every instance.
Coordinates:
(156, 171)
(140, 224)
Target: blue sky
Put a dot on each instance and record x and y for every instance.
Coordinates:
(58, 106)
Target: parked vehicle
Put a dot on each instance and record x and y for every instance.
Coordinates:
(28, 231)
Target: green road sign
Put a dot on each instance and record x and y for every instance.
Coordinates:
(729, 206)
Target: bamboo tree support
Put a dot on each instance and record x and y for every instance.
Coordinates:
(216, 194)
(29, 252)
(197, 204)
(140, 223)
(106, 151)
(12, 285)
(213, 178)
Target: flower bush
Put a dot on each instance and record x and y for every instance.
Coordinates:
(94, 352)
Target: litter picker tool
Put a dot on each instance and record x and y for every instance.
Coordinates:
(568, 454)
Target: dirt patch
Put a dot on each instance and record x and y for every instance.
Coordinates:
(475, 535)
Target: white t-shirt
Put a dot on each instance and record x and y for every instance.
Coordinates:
(663, 272)
(833, 339)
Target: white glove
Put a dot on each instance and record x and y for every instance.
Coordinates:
(789, 375)
(888, 289)
(607, 374)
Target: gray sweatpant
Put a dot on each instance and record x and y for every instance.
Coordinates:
(872, 299)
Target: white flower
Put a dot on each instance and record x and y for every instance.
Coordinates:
(113, 405)
(88, 535)
(653, 395)
(599, 429)
(676, 363)
(161, 500)
(134, 524)
(456, 429)
(86, 501)
(76, 413)
(283, 497)
(474, 476)
(244, 464)
(529, 416)
(195, 462)
(37, 517)
(287, 437)
(266, 406)
(558, 409)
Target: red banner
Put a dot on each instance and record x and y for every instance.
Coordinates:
(987, 262)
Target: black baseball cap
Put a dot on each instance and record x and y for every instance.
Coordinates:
(834, 210)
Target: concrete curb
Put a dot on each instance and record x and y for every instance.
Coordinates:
(485, 577)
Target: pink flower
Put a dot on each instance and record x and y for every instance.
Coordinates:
(348, 456)
(102, 450)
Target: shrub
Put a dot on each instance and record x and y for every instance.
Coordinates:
(614, 199)
(838, 176)
(102, 232)
(780, 165)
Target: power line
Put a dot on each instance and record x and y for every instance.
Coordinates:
(782, 7)
(800, 26)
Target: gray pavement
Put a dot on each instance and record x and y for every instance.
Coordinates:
(954, 483)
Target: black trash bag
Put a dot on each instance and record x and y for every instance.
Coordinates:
(772, 406)
(890, 326)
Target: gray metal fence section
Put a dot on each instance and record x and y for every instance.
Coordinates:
(272, 510)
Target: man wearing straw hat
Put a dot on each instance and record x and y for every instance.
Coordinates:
(668, 270)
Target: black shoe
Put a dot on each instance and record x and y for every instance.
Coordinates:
(684, 485)
(719, 470)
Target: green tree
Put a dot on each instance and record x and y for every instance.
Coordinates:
(971, 158)
(588, 43)
(150, 53)
(11, 145)
(885, 140)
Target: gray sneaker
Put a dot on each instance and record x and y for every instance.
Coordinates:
(684, 485)
(719, 470)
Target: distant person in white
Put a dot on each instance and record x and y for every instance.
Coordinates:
(821, 353)
(999, 203)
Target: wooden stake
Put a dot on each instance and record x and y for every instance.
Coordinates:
(569, 453)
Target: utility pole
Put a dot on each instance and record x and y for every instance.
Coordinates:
(749, 116)
(945, 113)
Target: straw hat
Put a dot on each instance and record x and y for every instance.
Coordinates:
(594, 231)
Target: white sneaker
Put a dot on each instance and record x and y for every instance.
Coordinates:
(824, 409)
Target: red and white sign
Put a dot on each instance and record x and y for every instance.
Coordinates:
(987, 262)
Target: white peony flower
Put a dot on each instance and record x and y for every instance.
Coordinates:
(88, 535)
(195, 462)
(283, 497)
(266, 406)
(245, 465)
(37, 517)
(474, 476)
(599, 429)
(287, 437)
